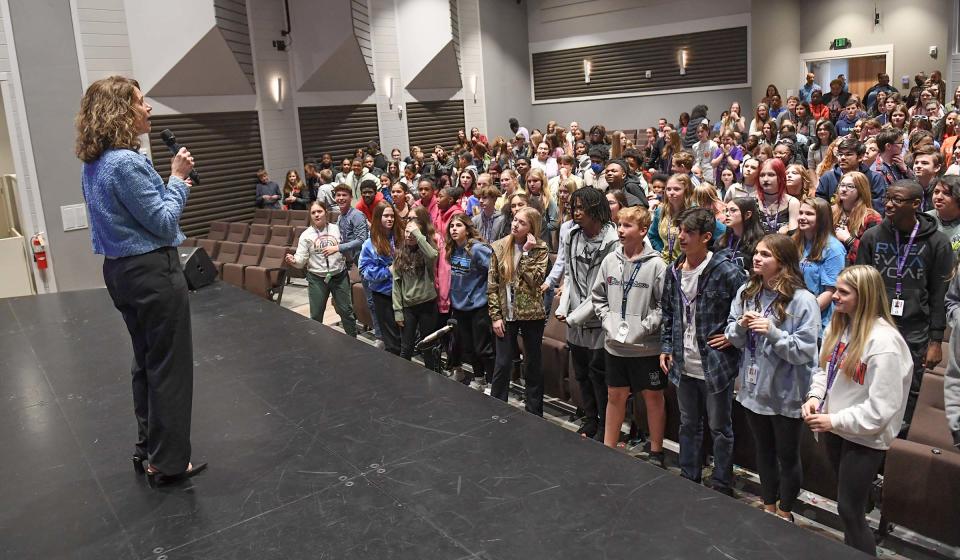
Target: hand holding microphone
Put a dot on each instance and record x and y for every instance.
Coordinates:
(182, 164)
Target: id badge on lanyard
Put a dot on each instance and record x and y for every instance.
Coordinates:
(897, 303)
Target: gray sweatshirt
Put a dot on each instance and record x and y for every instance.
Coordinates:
(580, 270)
(951, 381)
(643, 301)
(786, 356)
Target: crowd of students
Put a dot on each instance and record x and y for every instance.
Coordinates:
(799, 264)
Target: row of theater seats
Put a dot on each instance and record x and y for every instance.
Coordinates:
(281, 217)
(262, 234)
(257, 268)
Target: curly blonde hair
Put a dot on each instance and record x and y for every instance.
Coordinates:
(107, 117)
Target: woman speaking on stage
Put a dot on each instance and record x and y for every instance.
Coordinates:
(134, 223)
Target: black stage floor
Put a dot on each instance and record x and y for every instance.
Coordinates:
(321, 447)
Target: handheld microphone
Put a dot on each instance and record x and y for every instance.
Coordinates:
(170, 139)
(437, 335)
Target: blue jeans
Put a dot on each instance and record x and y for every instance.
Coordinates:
(373, 314)
(695, 401)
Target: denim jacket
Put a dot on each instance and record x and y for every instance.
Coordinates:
(717, 287)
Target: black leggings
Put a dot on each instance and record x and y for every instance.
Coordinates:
(778, 457)
(423, 318)
(856, 466)
(506, 347)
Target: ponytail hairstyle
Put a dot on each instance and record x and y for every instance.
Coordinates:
(787, 281)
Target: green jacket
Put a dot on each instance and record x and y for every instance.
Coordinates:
(529, 274)
(417, 286)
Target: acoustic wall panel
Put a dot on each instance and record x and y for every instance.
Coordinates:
(434, 122)
(338, 129)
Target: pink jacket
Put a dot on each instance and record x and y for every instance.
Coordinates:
(442, 278)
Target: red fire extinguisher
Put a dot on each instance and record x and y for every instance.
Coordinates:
(39, 251)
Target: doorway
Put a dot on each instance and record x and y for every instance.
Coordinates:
(859, 66)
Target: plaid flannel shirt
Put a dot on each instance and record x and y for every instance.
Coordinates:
(717, 286)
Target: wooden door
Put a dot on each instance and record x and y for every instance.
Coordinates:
(863, 72)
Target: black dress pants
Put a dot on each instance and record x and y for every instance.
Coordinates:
(151, 293)
(589, 369)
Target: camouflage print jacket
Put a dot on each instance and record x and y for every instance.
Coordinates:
(529, 275)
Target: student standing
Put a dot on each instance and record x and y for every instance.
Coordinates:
(588, 242)
(858, 394)
(743, 231)
(376, 258)
(777, 321)
(626, 299)
(822, 256)
(517, 268)
(414, 292)
(469, 259)
(853, 213)
(319, 249)
(915, 261)
(697, 294)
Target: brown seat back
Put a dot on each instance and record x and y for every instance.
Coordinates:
(229, 252)
(218, 231)
(238, 232)
(297, 232)
(210, 246)
(259, 233)
(929, 424)
(299, 218)
(250, 254)
(261, 216)
(189, 242)
(281, 235)
(279, 217)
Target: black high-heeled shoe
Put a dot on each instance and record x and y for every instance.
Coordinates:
(138, 464)
(156, 479)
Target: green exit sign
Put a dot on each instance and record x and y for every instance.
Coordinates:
(841, 43)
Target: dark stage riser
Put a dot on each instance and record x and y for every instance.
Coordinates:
(321, 446)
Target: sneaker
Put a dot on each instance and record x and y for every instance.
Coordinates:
(658, 459)
(458, 375)
(478, 383)
(380, 345)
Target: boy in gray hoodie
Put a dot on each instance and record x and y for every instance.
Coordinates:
(626, 299)
(592, 238)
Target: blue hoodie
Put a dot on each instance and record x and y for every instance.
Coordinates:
(375, 268)
(468, 277)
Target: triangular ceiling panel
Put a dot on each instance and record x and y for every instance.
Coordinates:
(209, 68)
(344, 70)
(442, 71)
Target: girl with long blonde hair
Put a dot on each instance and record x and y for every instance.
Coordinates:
(518, 267)
(858, 394)
(853, 214)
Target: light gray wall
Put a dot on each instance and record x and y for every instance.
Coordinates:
(775, 51)
(6, 152)
(506, 66)
(911, 27)
(52, 97)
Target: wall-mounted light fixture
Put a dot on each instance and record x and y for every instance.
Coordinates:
(587, 68)
(473, 87)
(683, 62)
(278, 93)
(390, 86)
